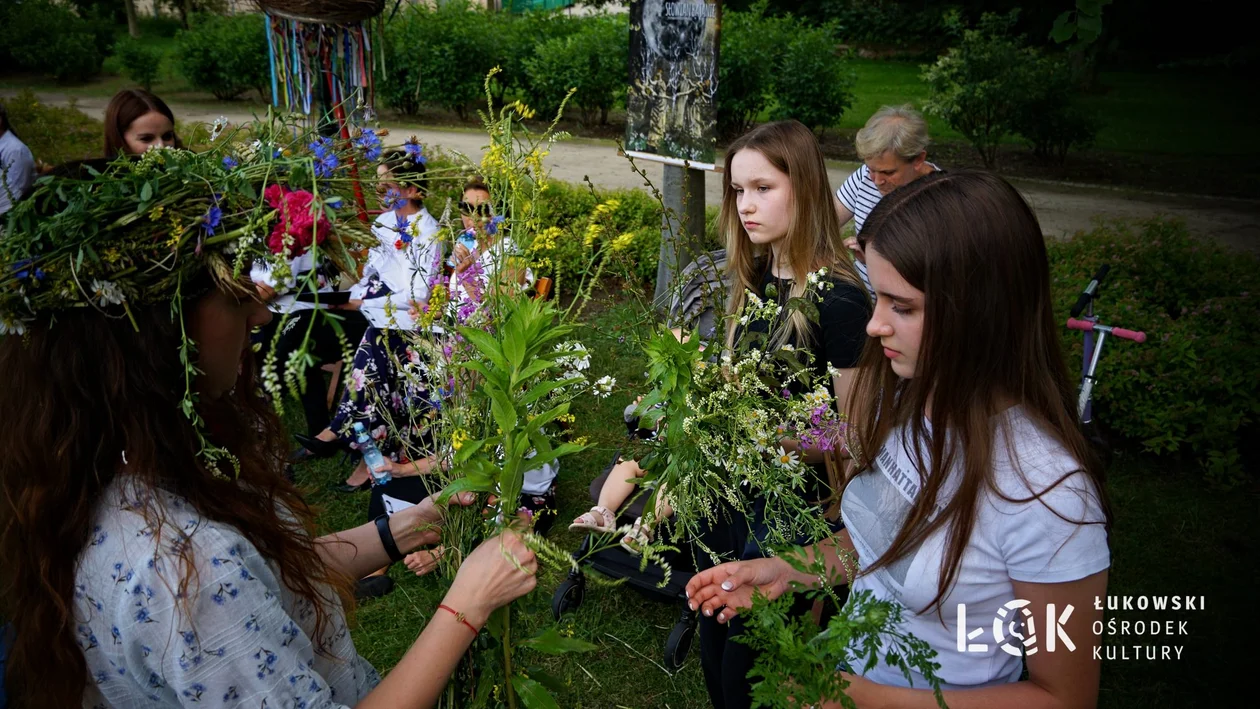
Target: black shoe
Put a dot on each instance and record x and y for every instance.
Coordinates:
(373, 587)
(343, 487)
(319, 448)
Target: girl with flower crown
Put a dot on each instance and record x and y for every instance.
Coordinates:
(152, 551)
(780, 230)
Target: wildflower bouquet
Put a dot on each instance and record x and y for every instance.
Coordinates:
(502, 368)
(736, 427)
(118, 234)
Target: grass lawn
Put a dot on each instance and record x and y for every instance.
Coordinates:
(1172, 536)
(1177, 113)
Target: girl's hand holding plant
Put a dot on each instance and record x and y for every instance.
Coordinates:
(496, 573)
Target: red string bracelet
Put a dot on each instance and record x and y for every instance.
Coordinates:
(460, 617)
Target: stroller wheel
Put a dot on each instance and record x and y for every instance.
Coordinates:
(568, 596)
(679, 644)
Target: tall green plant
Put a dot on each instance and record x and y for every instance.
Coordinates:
(811, 83)
(751, 42)
(226, 56)
(980, 86)
(593, 60)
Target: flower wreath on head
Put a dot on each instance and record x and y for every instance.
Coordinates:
(117, 234)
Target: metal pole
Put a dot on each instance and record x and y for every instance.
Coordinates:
(682, 227)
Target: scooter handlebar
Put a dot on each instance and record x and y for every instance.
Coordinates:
(1087, 326)
(1135, 335)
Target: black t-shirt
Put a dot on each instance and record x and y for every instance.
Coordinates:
(839, 336)
(837, 339)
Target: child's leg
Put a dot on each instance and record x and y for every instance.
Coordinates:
(619, 486)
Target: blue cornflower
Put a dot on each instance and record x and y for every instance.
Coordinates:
(393, 199)
(211, 219)
(492, 227)
(325, 165)
(22, 270)
(415, 151)
(229, 162)
(370, 144)
(321, 147)
(401, 223)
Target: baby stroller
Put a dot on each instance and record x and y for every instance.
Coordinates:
(696, 306)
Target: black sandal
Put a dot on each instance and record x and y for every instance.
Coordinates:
(373, 587)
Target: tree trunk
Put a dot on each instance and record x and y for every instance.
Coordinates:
(133, 27)
(185, 12)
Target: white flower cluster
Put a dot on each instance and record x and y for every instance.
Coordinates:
(604, 386)
(106, 293)
(574, 359)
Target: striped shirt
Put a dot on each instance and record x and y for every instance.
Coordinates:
(859, 195)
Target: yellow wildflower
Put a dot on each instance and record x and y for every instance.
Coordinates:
(156, 213)
(458, 438)
(623, 242)
(546, 241)
(593, 232)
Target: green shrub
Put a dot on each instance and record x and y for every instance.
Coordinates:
(225, 56)
(517, 36)
(54, 134)
(751, 44)
(140, 62)
(50, 39)
(1051, 120)
(439, 56)
(576, 223)
(890, 22)
(593, 60)
(811, 82)
(981, 86)
(1191, 387)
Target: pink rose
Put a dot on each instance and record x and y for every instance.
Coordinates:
(296, 221)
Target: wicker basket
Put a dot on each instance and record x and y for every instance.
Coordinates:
(327, 12)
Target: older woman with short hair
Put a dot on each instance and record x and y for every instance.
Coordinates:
(893, 149)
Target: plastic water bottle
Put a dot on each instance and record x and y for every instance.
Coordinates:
(372, 456)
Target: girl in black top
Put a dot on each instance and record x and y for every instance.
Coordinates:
(780, 227)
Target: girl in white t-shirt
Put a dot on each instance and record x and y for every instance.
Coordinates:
(976, 497)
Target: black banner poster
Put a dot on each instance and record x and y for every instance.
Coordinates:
(671, 102)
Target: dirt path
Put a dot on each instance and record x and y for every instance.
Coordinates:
(1062, 208)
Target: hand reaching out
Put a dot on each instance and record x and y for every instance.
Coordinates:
(728, 588)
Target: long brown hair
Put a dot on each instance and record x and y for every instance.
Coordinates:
(80, 391)
(813, 239)
(972, 245)
(126, 106)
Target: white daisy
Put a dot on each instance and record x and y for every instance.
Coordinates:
(787, 459)
(16, 326)
(604, 386)
(106, 293)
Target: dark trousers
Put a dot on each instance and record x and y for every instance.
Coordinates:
(725, 661)
(324, 347)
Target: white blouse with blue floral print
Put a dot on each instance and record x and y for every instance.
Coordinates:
(247, 642)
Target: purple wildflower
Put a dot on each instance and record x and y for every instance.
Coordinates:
(229, 162)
